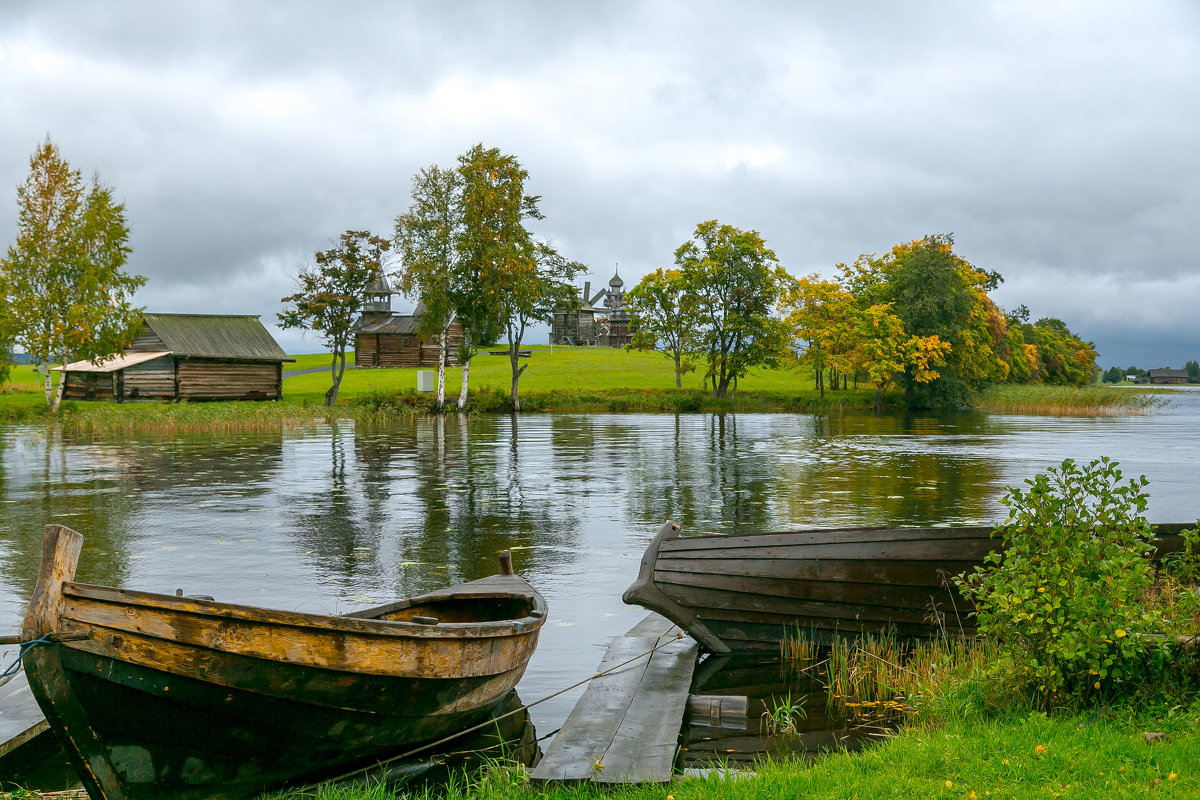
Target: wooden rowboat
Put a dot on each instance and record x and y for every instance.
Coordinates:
(749, 592)
(169, 697)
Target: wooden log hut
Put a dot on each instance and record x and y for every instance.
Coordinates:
(186, 357)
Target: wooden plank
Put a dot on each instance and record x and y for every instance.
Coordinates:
(625, 728)
(643, 751)
(20, 718)
(596, 718)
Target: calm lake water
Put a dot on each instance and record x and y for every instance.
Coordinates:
(334, 519)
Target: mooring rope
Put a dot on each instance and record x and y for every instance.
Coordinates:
(492, 720)
(15, 666)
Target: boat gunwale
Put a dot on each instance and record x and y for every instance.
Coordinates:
(335, 623)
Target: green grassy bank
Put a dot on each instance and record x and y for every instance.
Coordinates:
(1023, 755)
(559, 379)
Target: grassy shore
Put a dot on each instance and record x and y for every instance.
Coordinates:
(1021, 756)
(559, 379)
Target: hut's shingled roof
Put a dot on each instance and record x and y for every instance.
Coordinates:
(239, 336)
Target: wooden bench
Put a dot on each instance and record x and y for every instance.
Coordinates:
(520, 353)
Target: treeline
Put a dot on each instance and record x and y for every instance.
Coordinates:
(467, 256)
(917, 320)
(1116, 374)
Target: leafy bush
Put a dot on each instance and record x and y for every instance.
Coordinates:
(1062, 595)
(1184, 565)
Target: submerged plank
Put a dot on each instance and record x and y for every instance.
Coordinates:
(625, 728)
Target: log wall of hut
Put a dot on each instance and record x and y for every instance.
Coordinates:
(150, 380)
(396, 350)
(88, 386)
(203, 379)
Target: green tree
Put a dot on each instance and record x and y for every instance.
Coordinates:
(735, 282)
(428, 236)
(663, 318)
(1061, 356)
(822, 318)
(1193, 371)
(495, 248)
(1113, 375)
(65, 291)
(330, 295)
(937, 293)
(532, 290)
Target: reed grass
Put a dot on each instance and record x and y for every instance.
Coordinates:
(881, 677)
(1087, 401)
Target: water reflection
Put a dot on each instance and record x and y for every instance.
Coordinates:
(337, 518)
(787, 714)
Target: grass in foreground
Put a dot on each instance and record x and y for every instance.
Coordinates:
(1024, 755)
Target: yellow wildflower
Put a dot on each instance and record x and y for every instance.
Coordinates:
(1039, 749)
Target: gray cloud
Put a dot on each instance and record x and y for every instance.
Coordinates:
(1056, 141)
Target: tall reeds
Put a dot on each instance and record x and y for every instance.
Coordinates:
(1084, 401)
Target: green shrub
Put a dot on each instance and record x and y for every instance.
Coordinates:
(1062, 596)
(1184, 565)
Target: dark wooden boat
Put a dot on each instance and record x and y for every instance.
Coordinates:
(749, 592)
(159, 696)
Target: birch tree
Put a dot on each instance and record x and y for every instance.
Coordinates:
(495, 246)
(66, 294)
(428, 237)
(533, 288)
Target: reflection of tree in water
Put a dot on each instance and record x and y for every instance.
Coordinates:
(704, 478)
(466, 493)
(45, 479)
(332, 524)
(722, 474)
(887, 470)
(424, 503)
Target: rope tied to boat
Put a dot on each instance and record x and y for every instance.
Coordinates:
(663, 642)
(53, 637)
(15, 666)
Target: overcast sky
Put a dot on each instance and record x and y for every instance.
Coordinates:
(1058, 141)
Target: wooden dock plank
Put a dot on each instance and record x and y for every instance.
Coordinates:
(20, 718)
(625, 728)
(643, 750)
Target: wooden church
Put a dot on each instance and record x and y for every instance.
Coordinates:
(384, 339)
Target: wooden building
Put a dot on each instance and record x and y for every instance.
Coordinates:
(186, 357)
(1167, 375)
(384, 339)
(606, 326)
(577, 326)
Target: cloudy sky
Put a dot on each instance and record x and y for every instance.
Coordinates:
(1058, 141)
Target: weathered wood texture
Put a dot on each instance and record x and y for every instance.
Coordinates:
(228, 380)
(376, 349)
(30, 754)
(625, 728)
(20, 718)
(232, 699)
(748, 592)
